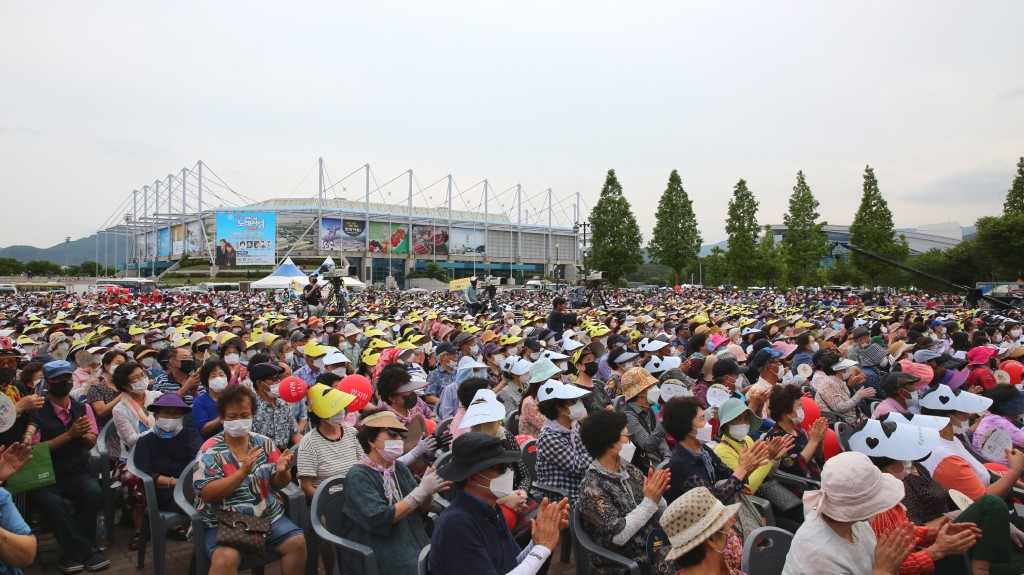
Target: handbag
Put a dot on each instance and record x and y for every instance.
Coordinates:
(244, 532)
(748, 516)
(38, 472)
(781, 498)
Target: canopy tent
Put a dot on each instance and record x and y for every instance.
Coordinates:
(283, 277)
(350, 283)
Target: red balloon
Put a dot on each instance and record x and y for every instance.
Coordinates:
(431, 425)
(811, 413)
(126, 290)
(358, 386)
(831, 447)
(110, 289)
(678, 288)
(292, 389)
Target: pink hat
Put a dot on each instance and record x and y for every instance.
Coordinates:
(921, 370)
(957, 379)
(786, 349)
(716, 340)
(980, 354)
(852, 489)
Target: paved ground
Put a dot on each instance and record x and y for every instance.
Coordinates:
(122, 561)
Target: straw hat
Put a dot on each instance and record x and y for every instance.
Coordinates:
(693, 518)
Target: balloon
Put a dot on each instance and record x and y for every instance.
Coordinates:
(678, 288)
(811, 413)
(431, 425)
(358, 386)
(292, 389)
(126, 290)
(830, 446)
(110, 289)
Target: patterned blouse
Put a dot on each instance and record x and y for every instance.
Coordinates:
(923, 497)
(530, 419)
(254, 496)
(276, 422)
(832, 394)
(794, 462)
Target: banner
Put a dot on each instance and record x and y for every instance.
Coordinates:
(459, 284)
(163, 242)
(430, 240)
(177, 240)
(193, 237)
(150, 246)
(467, 242)
(295, 233)
(245, 238)
(345, 235)
(388, 238)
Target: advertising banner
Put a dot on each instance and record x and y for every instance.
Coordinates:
(193, 237)
(139, 245)
(430, 240)
(345, 235)
(294, 233)
(467, 242)
(389, 238)
(459, 284)
(245, 238)
(151, 245)
(163, 242)
(177, 240)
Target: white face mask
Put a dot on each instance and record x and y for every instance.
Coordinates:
(912, 400)
(318, 363)
(1015, 333)
(997, 338)
(340, 371)
(452, 365)
(653, 395)
(273, 391)
(562, 366)
(739, 430)
(703, 434)
(148, 361)
(958, 428)
(232, 359)
(168, 425)
(780, 371)
(502, 485)
(289, 356)
(475, 350)
(140, 386)
(111, 368)
(238, 427)
(815, 347)
(626, 451)
(799, 416)
(577, 411)
(498, 358)
(218, 384)
(905, 472)
(393, 449)
(337, 419)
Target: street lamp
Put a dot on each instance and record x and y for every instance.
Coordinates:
(67, 254)
(576, 228)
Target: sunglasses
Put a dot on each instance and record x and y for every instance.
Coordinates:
(396, 433)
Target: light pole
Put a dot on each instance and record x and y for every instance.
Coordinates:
(127, 234)
(556, 262)
(67, 255)
(576, 228)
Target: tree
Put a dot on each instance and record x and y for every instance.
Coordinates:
(1014, 204)
(741, 225)
(716, 271)
(872, 230)
(769, 259)
(1001, 244)
(42, 268)
(616, 242)
(805, 242)
(11, 267)
(676, 239)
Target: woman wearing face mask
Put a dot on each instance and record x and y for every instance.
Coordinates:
(586, 374)
(562, 460)
(200, 348)
(619, 506)
(382, 504)
(146, 356)
(231, 353)
(281, 350)
(806, 347)
(396, 389)
(132, 419)
(950, 464)
(103, 396)
(641, 391)
(1007, 408)
(874, 361)
(736, 421)
(328, 450)
(167, 451)
(786, 409)
(531, 420)
(622, 360)
(702, 536)
(241, 471)
(214, 377)
(834, 384)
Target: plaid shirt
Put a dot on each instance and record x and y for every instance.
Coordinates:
(562, 461)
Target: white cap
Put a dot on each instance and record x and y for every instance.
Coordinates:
(660, 364)
(484, 408)
(335, 357)
(554, 389)
(469, 363)
(522, 367)
(843, 364)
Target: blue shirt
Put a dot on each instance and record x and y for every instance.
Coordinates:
(308, 375)
(12, 521)
(204, 410)
(472, 537)
(439, 379)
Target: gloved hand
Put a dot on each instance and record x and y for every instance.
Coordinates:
(427, 446)
(430, 484)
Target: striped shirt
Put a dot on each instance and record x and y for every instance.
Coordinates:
(322, 458)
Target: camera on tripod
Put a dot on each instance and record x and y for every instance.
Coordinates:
(592, 280)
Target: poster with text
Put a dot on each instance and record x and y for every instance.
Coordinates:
(467, 242)
(193, 237)
(151, 246)
(344, 235)
(163, 242)
(139, 252)
(245, 238)
(177, 240)
(389, 238)
(429, 240)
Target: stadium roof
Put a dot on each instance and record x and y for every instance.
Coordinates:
(356, 208)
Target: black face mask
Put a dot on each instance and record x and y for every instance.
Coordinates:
(187, 366)
(60, 388)
(590, 368)
(410, 401)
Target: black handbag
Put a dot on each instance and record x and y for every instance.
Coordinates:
(781, 498)
(244, 532)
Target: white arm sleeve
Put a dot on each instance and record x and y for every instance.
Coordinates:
(531, 560)
(635, 520)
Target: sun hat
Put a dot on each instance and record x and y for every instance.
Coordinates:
(852, 489)
(169, 400)
(469, 363)
(981, 354)
(636, 380)
(924, 372)
(658, 364)
(335, 357)
(843, 364)
(926, 355)
(472, 453)
(896, 380)
(872, 355)
(944, 398)
(623, 357)
(554, 389)
(693, 518)
(786, 349)
(521, 366)
(350, 330)
(57, 368)
(484, 408)
(383, 419)
(553, 355)
(543, 369)
(733, 408)
(899, 441)
(1013, 404)
(936, 422)
(417, 382)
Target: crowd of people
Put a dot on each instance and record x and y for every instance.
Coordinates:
(672, 416)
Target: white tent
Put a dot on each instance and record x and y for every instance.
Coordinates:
(350, 283)
(282, 278)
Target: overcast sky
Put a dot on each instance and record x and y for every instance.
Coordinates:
(100, 98)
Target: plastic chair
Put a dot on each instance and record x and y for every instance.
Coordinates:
(843, 431)
(443, 427)
(764, 551)
(765, 508)
(423, 567)
(512, 423)
(585, 547)
(155, 523)
(832, 418)
(529, 449)
(102, 450)
(184, 495)
(618, 402)
(326, 518)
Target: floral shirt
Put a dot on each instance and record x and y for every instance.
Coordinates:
(254, 496)
(794, 462)
(275, 421)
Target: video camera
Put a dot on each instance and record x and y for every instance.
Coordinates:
(333, 272)
(592, 280)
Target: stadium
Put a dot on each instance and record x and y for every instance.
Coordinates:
(194, 220)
